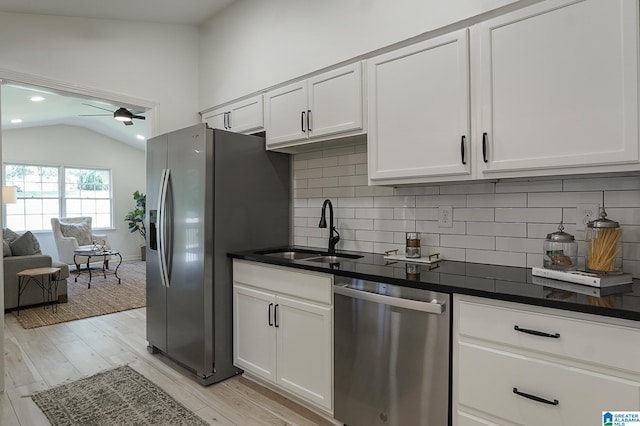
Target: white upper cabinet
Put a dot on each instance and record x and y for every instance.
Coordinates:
(322, 107)
(419, 112)
(557, 89)
(246, 116)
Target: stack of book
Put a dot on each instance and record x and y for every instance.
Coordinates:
(585, 278)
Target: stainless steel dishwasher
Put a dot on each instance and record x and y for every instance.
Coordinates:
(391, 355)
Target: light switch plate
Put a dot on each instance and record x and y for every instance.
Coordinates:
(445, 216)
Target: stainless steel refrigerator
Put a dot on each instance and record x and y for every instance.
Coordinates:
(208, 192)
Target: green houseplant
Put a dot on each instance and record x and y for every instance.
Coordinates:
(135, 219)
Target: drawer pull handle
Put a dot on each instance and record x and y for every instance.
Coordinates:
(536, 333)
(270, 322)
(275, 316)
(535, 398)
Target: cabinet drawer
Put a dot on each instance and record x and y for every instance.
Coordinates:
(307, 285)
(588, 341)
(488, 377)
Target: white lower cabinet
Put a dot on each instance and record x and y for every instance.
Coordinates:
(283, 329)
(549, 371)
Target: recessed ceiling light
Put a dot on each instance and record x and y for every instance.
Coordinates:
(140, 137)
(16, 121)
(36, 99)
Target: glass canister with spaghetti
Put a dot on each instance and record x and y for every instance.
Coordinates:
(604, 245)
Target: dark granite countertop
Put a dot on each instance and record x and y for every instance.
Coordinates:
(491, 281)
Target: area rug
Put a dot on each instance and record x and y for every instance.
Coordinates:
(104, 297)
(121, 396)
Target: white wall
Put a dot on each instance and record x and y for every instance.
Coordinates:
(155, 62)
(75, 146)
(254, 44)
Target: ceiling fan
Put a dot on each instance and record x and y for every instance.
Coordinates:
(121, 114)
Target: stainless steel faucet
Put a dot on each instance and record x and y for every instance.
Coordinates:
(333, 240)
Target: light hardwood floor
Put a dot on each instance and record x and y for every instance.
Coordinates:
(44, 357)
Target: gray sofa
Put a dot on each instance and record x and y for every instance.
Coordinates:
(32, 294)
(23, 252)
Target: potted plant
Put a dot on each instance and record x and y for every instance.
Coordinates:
(135, 219)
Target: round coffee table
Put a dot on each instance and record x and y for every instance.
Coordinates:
(97, 253)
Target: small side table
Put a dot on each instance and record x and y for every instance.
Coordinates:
(94, 253)
(45, 278)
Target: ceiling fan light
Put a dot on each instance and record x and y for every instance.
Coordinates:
(122, 114)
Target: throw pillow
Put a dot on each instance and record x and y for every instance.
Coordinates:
(9, 235)
(6, 250)
(25, 244)
(81, 231)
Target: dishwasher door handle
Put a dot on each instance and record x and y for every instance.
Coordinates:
(416, 305)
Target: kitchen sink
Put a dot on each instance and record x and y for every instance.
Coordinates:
(309, 255)
(291, 255)
(332, 258)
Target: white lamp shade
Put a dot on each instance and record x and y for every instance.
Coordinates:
(9, 194)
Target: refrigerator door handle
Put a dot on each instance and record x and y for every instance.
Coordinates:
(162, 227)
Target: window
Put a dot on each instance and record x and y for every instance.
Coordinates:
(42, 195)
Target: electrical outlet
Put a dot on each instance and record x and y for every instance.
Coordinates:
(586, 213)
(445, 216)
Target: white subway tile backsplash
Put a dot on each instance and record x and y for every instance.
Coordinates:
(477, 214)
(563, 199)
(497, 257)
(441, 200)
(423, 213)
(468, 188)
(431, 226)
(622, 198)
(322, 182)
(625, 216)
(375, 236)
(468, 241)
(340, 191)
(322, 162)
(521, 245)
(398, 201)
(529, 186)
(417, 190)
(366, 224)
(502, 223)
(307, 173)
(497, 229)
(602, 183)
(360, 158)
(497, 200)
(536, 215)
(374, 191)
(404, 213)
(357, 202)
(356, 180)
(375, 213)
(394, 225)
(339, 171)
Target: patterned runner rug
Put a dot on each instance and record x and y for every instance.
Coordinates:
(120, 396)
(105, 296)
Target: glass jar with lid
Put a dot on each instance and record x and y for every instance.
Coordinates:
(560, 250)
(604, 245)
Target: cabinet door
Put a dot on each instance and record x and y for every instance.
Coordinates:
(216, 119)
(505, 385)
(286, 114)
(305, 350)
(335, 101)
(419, 112)
(254, 347)
(246, 116)
(558, 88)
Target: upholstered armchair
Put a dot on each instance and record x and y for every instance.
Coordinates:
(75, 233)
